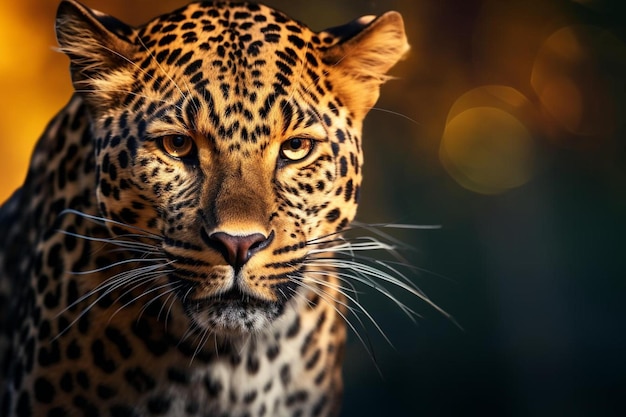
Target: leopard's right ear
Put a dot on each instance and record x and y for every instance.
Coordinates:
(99, 46)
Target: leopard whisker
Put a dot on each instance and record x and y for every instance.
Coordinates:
(335, 303)
(375, 273)
(139, 277)
(171, 295)
(395, 113)
(104, 220)
(366, 243)
(373, 228)
(331, 300)
(200, 341)
(171, 291)
(83, 312)
(346, 277)
(188, 332)
(337, 287)
(119, 263)
(192, 329)
(349, 245)
(355, 302)
(114, 282)
(138, 297)
(385, 264)
(368, 270)
(124, 244)
(137, 282)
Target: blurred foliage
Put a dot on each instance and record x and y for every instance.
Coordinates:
(506, 127)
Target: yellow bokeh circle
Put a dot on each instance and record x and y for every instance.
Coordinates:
(487, 150)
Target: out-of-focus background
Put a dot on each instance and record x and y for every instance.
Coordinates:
(506, 126)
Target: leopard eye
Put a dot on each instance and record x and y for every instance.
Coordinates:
(178, 146)
(296, 149)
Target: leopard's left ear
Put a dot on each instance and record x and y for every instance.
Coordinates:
(367, 49)
(99, 47)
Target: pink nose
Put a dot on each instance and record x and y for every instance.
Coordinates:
(237, 250)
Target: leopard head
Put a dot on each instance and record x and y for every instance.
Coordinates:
(231, 136)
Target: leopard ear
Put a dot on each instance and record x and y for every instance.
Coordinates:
(367, 48)
(98, 46)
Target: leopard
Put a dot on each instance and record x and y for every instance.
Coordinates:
(170, 252)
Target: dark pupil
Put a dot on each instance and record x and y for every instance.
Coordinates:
(178, 141)
(296, 144)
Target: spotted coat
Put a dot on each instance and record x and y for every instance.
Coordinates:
(157, 259)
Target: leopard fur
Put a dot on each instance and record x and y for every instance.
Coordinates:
(158, 258)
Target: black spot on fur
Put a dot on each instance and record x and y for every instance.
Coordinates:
(100, 358)
(333, 215)
(343, 166)
(139, 379)
(57, 412)
(120, 341)
(310, 364)
(88, 408)
(49, 356)
(249, 397)
(348, 190)
(44, 390)
(213, 386)
(178, 376)
(24, 408)
(252, 365)
(166, 40)
(294, 328)
(67, 382)
(105, 391)
(128, 216)
(83, 379)
(285, 374)
(159, 405)
(272, 352)
(73, 350)
(122, 411)
(296, 40)
(142, 329)
(296, 397)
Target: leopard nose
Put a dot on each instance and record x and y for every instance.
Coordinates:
(237, 250)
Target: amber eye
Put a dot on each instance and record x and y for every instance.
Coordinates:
(296, 149)
(178, 146)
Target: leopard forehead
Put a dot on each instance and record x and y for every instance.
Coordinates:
(234, 74)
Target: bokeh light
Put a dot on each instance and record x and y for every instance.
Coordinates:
(486, 145)
(575, 87)
(35, 84)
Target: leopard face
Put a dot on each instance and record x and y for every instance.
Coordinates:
(228, 140)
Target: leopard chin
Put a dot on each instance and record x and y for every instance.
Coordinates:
(233, 313)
